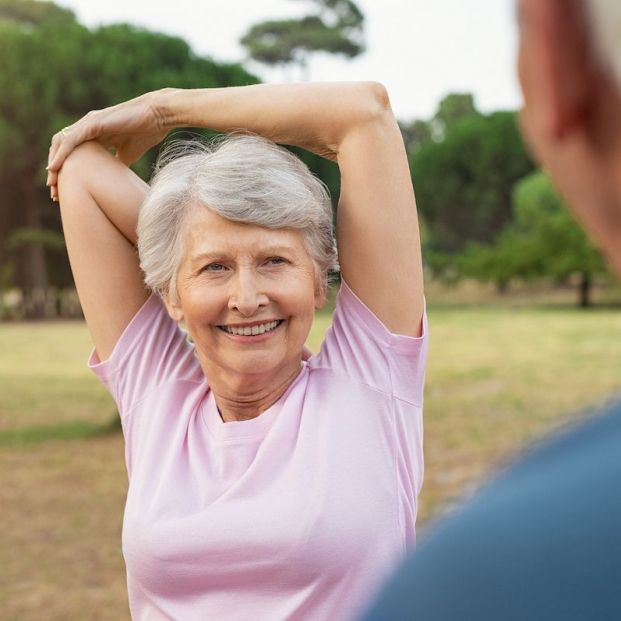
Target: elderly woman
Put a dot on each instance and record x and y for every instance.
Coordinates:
(263, 483)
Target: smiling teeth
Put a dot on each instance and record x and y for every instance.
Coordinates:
(248, 331)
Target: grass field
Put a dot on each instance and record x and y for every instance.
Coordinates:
(497, 377)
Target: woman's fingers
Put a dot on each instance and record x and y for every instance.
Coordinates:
(52, 183)
(130, 128)
(63, 143)
(59, 149)
(68, 138)
(63, 137)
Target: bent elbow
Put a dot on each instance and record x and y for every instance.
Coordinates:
(381, 99)
(374, 104)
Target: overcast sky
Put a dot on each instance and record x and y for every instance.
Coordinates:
(420, 49)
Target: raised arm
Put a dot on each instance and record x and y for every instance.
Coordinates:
(377, 224)
(352, 123)
(100, 200)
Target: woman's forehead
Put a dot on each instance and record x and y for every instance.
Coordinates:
(210, 234)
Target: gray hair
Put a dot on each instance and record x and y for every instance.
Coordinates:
(244, 178)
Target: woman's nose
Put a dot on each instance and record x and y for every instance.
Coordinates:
(247, 296)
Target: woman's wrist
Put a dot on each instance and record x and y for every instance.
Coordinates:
(164, 103)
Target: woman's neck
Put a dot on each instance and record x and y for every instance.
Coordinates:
(243, 397)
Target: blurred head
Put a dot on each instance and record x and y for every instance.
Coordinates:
(570, 72)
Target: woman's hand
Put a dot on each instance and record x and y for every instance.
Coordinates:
(130, 128)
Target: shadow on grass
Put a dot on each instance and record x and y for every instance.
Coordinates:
(71, 430)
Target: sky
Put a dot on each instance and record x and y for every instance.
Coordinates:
(420, 50)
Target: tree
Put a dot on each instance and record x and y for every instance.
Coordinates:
(29, 14)
(455, 107)
(464, 182)
(543, 242)
(416, 134)
(336, 28)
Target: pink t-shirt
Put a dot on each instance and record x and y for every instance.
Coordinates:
(297, 514)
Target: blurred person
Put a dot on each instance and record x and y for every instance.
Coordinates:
(264, 482)
(543, 541)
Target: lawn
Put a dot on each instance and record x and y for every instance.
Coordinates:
(497, 376)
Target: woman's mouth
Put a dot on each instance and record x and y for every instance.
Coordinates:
(253, 330)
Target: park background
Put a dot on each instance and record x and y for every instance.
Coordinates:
(524, 315)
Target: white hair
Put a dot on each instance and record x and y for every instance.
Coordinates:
(605, 21)
(244, 178)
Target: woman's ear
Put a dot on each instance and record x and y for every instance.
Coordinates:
(321, 292)
(320, 300)
(173, 306)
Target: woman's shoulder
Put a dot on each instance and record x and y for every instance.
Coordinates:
(152, 350)
(356, 329)
(358, 346)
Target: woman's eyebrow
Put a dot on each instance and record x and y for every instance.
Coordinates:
(208, 256)
(260, 251)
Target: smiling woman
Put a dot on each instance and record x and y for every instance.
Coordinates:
(285, 485)
(229, 282)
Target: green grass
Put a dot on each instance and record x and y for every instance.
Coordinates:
(497, 377)
(70, 430)
(44, 379)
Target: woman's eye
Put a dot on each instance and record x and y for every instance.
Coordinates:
(214, 267)
(276, 261)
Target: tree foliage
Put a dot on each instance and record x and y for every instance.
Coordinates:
(34, 13)
(464, 181)
(452, 109)
(543, 242)
(416, 134)
(336, 28)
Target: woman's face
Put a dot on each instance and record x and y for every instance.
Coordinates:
(247, 295)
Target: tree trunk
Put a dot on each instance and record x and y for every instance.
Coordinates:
(304, 68)
(35, 288)
(585, 290)
(502, 287)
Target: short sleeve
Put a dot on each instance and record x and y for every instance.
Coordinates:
(359, 345)
(151, 351)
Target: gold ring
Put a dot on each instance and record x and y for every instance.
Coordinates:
(64, 131)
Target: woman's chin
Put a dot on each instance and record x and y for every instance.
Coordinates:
(264, 364)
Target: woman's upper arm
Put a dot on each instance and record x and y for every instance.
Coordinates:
(377, 225)
(99, 200)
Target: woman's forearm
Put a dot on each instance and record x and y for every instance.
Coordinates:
(315, 116)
